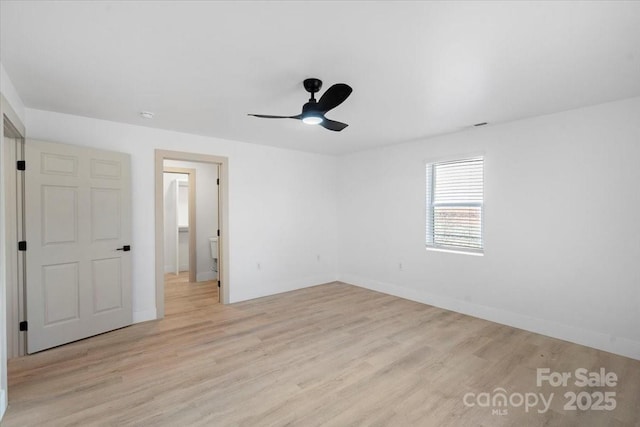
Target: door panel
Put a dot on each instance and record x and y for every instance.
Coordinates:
(59, 214)
(107, 285)
(60, 285)
(57, 164)
(78, 211)
(106, 169)
(105, 214)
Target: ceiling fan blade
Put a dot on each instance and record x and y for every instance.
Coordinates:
(334, 96)
(333, 125)
(266, 116)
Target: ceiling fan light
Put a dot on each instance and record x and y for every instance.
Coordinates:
(312, 120)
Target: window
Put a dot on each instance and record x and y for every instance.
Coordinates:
(455, 204)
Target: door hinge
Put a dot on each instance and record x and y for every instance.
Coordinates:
(218, 283)
(24, 326)
(218, 233)
(22, 246)
(218, 181)
(21, 165)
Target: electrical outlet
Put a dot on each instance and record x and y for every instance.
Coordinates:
(258, 265)
(318, 258)
(400, 266)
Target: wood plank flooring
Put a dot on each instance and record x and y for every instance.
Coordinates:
(333, 355)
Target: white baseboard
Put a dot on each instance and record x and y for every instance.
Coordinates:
(145, 315)
(206, 275)
(618, 345)
(281, 287)
(169, 268)
(3, 403)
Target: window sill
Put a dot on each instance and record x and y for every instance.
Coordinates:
(454, 251)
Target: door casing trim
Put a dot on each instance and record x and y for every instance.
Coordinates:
(14, 306)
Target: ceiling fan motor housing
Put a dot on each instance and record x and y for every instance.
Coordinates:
(311, 107)
(312, 85)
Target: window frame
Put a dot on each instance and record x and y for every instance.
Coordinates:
(429, 205)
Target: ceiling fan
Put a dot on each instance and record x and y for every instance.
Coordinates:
(313, 111)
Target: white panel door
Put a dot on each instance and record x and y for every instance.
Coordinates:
(78, 221)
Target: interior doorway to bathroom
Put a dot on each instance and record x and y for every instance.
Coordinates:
(190, 231)
(190, 198)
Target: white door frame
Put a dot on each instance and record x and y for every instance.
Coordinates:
(14, 306)
(7, 326)
(223, 219)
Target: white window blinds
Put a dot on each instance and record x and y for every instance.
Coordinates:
(455, 204)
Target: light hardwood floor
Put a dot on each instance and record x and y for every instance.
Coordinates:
(333, 355)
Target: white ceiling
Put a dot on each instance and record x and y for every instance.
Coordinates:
(417, 68)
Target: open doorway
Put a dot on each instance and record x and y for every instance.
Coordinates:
(190, 191)
(191, 223)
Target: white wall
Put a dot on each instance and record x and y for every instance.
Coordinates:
(282, 205)
(206, 213)
(11, 95)
(562, 235)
